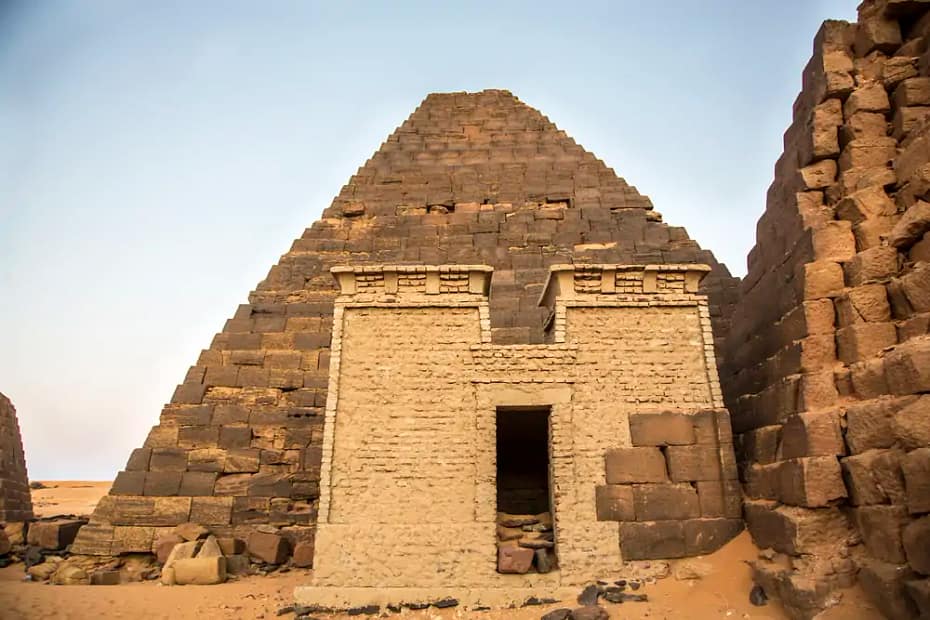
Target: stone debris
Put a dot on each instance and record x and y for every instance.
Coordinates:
(692, 569)
(757, 596)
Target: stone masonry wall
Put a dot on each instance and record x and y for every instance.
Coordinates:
(15, 500)
(409, 452)
(828, 358)
(469, 178)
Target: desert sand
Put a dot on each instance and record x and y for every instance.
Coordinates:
(724, 593)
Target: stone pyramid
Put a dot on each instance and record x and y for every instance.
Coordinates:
(15, 501)
(469, 178)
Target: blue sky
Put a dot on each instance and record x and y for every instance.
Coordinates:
(157, 158)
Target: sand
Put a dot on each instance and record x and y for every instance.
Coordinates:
(724, 593)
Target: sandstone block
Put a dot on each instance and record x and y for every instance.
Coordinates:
(128, 483)
(916, 468)
(868, 152)
(168, 459)
(916, 287)
(812, 434)
(883, 584)
(661, 429)
(303, 555)
(833, 241)
(870, 265)
(822, 135)
(864, 340)
(514, 560)
(916, 541)
(911, 424)
(906, 120)
(881, 527)
(657, 502)
(164, 545)
(907, 368)
(652, 540)
(874, 477)
(191, 531)
(865, 303)
(811, 481)
(162, 483)
(642, 464)
(267, 548)
(695, 462)
(759, 445)
(912, 225)
(55, 534)
(238, 564)
(819, 175)
(913, 91)
(818, 279)
(211, 510)
(877, 33)
(105, 578)
(865, 204)
(919, 591)
(132, 539)
(614, 503)
(868, 98)
(200, 571)
(793, 530)
(703, 536)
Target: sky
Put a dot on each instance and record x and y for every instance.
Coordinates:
(156, 158)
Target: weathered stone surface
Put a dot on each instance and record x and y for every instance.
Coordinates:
(793, 530)
(884, 583)
(907, 368)
(303, 555)
(874, 477)
(703, 536)
(55, 534)
(911, 424)
(812, 434)
(614, 503)
(644, 464)
(916, 468)
(661, 429)
(164, 545)
(657, 502)
(881, 528)
(919, 591)
(268, 548)
(810, 481)
(652, 540)
(514, 560)
(916, 541)
(200, 571)
(191, 531)
(696, 462)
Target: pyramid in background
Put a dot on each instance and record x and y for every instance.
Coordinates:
(469, 178)
(15, 501)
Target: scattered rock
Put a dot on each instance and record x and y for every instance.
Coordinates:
(105, 578)
(533, 600)
(238, 564)
(588, 596)
(54, 534)
(210, 549)
(200, 571)
(5, 544)
(35, 485)
(590, 612)
(230, 545)
(69, 575)
(692, 569)
(267, 547)
(42, 572)
(507, 520)
(543, 561)
(634, 585)
(164, 545)
(767, 553)
(303, 555)
(446, 602)
(368, 610)
(33, 556)
(536, 543)
(562, 613)
(757, 596)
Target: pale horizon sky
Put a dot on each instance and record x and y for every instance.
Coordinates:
(156, 159)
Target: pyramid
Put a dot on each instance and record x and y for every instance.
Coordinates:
(15, 501)
(468, 178)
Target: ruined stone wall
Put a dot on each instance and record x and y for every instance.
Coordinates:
(829, 354)
(469, 178)
(15, 500)
(409, 452)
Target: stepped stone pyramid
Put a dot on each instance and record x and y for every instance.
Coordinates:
(15, 501)
(469, 178)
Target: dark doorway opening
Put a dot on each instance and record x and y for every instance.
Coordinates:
(525, 534)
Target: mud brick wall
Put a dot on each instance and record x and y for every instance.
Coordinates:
(469, 178)
(15, 500)
(828, 358)
(409, 454)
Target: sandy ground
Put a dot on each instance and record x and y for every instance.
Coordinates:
(722, 594)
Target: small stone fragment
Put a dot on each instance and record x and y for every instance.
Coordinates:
(588, 596)
(561, 613)
(757, 596)
(590, 612)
